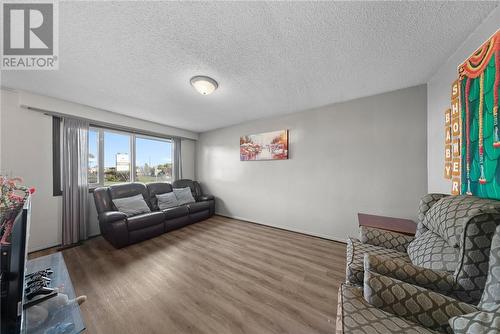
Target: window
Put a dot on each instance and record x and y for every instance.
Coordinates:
(117, 165)
(153, 160)
(113, 155)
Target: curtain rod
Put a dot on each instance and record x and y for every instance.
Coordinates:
(105, 124)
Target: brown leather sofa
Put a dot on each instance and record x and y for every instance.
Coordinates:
(121, 230)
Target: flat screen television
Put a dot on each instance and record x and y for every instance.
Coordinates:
(13, 258)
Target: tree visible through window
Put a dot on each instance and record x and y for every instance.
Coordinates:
(153, 160)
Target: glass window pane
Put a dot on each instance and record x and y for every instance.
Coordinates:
(93, 167)
(116, 158)
(153, 160)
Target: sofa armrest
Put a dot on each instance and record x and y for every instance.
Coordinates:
(441, 281)
(475, 247)
(111, 216)
(113, 225)
(430, 309)
(205, 198)
(477, 322)
(386, 239)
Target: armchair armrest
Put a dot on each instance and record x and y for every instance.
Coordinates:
(441, 281)
(386, 239)
(477, 322)
(111, 216)
(430, 309)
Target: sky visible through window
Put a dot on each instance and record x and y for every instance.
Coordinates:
(152, 152)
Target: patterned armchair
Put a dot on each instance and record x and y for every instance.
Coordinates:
(449, 253)
(386, 304)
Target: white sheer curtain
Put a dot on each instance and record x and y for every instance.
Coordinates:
(75, 190)
(177, 159)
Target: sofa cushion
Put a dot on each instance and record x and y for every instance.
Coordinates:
(184, 195)
(167, 201)
(177, 212)
(193, 185)
(145, 220)
(132, 205)
(198, 206)
(355, 258)
(155, 188)
(431, 251)
(449, 215)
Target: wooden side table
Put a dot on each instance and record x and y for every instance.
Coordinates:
(400, 225)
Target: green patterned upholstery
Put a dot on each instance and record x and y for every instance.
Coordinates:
(386, 239)
(455, 235)
(426, 300)
(491, 294)
(431, 251)
(471, 274)
(486, 321)
(448, 216)
(430, 309)
(480, 322)
(467, 222)
(440, 281)
(426, 202)
(356, 316)
(356, 251)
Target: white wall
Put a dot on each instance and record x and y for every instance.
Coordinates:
(79, 110)
(366, 155)
(188, 149)
(26, 151)
(438, 100)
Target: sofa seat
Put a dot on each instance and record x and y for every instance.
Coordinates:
(355, 315)
(356, 251)
(178, 211)
(121, 231)
(198, 206)
(145, 220)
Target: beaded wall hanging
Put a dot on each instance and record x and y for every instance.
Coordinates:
(479, 84)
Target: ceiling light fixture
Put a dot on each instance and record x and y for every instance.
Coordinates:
(204, 85)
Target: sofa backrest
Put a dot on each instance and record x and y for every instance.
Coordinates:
(449, 215)
(102, 200)
(128, 190)
(195, 186)
(426, 202)
(456, 232)
(157, 188)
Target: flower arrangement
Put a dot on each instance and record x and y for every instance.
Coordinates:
(12, 198)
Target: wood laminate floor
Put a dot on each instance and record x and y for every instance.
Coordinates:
(217, 276)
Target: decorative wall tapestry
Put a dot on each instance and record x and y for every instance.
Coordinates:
(265, 146)
(479, 78)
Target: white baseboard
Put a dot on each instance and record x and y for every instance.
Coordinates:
(44, 247)
(286, 228)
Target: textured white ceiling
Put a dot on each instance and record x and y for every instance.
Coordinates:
(269, 58)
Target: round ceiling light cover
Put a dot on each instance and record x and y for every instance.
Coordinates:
(203, 84)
